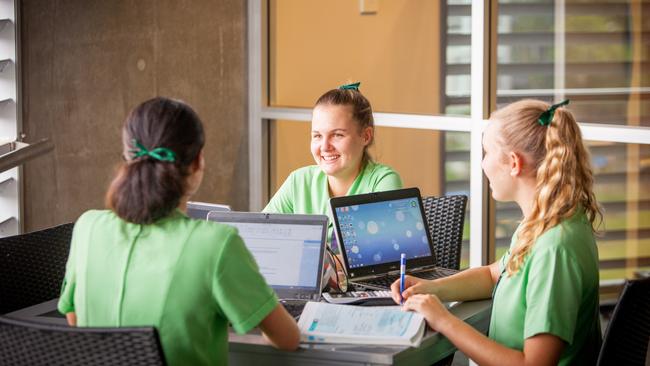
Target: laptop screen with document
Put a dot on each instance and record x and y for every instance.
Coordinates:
(288, 249)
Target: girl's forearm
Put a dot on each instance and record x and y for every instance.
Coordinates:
(470, 284)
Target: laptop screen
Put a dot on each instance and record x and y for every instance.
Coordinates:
(287, 254)
(377, 233)
(374, 229)
(288, 249)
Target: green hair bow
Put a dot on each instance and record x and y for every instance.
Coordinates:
(353, 86)
(159, 153)
(546, 117)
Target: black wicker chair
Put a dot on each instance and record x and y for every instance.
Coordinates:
(25, 343)
(32, 267)
(628, 334)
(445, 219)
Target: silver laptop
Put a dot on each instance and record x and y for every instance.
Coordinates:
(289, 250)
(374, 229)
(200, 210)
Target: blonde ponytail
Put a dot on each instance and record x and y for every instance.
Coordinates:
(563, 170)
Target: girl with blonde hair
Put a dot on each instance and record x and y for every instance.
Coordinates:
(545, 287)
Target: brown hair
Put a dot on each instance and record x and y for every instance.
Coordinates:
(564, 175)
(361, 111)
(146, 189)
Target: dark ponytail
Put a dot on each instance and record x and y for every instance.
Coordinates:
(146, 188)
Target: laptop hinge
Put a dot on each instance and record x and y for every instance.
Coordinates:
(372, 276)
(424, 268)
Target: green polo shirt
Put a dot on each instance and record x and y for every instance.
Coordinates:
(555, 291)
(188, 278)
(306, 190)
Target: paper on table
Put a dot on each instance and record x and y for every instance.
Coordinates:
(388, 325)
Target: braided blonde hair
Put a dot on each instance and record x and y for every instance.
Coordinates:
(561, 162)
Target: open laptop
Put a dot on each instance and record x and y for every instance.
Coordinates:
(374, 229)
(200, 210)
(289, 250)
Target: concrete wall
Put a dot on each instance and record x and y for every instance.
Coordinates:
(85, 64)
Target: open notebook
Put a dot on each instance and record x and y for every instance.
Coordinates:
(349, 324)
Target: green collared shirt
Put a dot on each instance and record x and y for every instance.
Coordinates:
(188, 278)
(555, 291)
(306, 190)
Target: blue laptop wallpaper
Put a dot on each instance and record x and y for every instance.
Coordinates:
(377, 233)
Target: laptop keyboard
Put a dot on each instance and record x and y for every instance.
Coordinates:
(383, 282)
(386, 281)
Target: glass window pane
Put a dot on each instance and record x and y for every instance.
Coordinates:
(437, 162)
(457, 46)
(394, 51)
(598, 56)
(622, 172)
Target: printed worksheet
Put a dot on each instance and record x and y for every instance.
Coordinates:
(356, 320)
(332, 323)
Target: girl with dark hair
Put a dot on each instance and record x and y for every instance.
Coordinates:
(144, 262)
(342, 130)
(545, 287)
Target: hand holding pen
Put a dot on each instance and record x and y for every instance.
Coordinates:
(402, 273)
(407, 286)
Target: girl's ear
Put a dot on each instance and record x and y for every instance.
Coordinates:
(367, 135)
(199, 162)
(516, 163)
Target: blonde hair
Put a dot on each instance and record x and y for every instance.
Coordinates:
(561, 162)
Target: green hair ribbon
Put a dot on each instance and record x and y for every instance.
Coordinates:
(546, 117)
(353, 86)
(159, 153)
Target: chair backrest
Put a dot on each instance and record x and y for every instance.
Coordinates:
(32, 267)
(24, 343)
(445, 219)
(627, 339)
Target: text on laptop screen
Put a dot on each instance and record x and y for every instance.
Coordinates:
(287, 254)
(377, 233)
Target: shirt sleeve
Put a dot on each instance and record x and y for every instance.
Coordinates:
(66, 297)
(502, 268)
(388, 181)
(282, 200)
(239, 288)
(553, 294)
(503, 261)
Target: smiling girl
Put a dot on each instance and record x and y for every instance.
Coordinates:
(342, 130)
